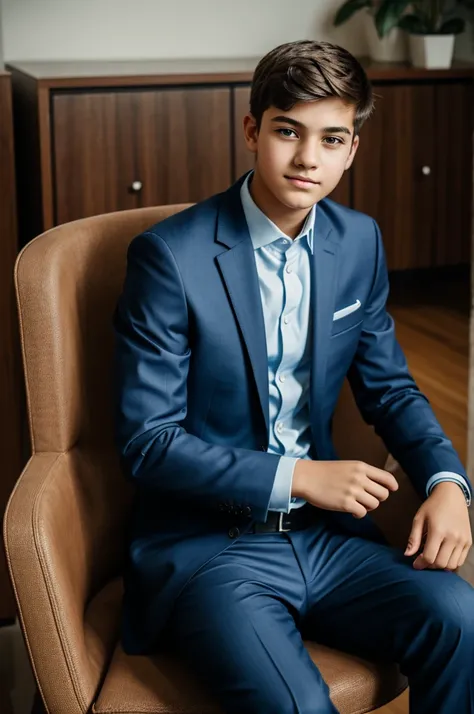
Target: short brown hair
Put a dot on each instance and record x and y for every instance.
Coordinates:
(305, 71)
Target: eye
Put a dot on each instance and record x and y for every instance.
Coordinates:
(287, 133)
(333, 140)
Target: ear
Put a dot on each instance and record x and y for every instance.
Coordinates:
(250, 133)
(354, 147)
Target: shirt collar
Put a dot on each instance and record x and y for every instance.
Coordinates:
(262, 230)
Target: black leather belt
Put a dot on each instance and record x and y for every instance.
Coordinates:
(295, 520)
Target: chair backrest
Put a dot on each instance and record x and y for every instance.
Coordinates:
(64, 524)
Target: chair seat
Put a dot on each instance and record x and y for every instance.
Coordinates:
(162, 685)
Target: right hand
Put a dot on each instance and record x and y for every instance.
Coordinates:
(349, 486)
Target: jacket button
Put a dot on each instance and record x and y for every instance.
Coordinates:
(263, 448)
(247, 511)
(234, 532)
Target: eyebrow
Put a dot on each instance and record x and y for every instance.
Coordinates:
(300, 125)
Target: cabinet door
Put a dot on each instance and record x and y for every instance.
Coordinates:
(94, 153)
(453, 200)
(183, 144)
(244, 159)
(116, 150)
(395, 176)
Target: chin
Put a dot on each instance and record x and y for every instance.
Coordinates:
(299, 203)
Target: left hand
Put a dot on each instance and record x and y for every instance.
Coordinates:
(444, 519)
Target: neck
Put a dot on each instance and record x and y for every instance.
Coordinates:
(289, 221)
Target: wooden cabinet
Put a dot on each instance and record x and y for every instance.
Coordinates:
(413, 172)
(11, 391)
(99, 137)
(117, 150)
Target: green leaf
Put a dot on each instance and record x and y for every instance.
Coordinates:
(389, 15)
(350, 8)
(413, 24)
(453, 27)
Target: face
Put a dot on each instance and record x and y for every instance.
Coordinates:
(301, 154)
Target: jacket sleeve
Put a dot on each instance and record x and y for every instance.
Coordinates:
(152, 356)
(389, 398)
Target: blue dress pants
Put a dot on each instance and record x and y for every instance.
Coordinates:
(239, 622)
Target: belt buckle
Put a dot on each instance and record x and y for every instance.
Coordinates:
(280, 524)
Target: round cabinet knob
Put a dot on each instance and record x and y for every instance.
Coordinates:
(426, 170)
(136, 186)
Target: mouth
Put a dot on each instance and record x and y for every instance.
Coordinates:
(302, 181)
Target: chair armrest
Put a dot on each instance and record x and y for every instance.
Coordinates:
(63, 539)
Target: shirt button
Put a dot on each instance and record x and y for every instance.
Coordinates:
(289, 269)
(282, 378)
(284, 241)
(286, 320)
(279, 427)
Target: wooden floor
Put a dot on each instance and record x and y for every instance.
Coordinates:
(431, 315)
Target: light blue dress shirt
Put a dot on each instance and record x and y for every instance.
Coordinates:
(284, 274)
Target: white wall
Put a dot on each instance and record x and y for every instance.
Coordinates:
(133, 29)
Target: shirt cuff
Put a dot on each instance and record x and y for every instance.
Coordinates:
(281, 492)
(449, 476)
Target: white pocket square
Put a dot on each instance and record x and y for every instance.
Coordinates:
(347, 310)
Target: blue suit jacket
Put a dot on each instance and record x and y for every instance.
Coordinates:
(192, 388)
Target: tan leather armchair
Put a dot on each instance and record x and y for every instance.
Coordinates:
(64, 525)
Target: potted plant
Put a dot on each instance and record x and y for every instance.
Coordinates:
(384, 45)
(431, 24)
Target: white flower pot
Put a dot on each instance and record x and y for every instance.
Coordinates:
(391, 48)
(432, 51)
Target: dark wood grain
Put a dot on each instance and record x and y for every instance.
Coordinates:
(453, 117)
(389, 185)
(183, 144)
(10, 368)
(93, 153)
(243, 158)
(31, 189)
(175, 142)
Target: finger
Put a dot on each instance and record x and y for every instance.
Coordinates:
(416, 536)
(375, 489)
(445, 553)
(369, 502)
(455, 559)
(464, 554)
(432, 547)
(383, 477)
(357, 510)
(420, 563)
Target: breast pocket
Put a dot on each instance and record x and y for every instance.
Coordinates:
(347, 317)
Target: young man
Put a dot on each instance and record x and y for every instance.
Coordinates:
(239, 320)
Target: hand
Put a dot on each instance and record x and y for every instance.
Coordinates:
(442, 526)
(350, 486)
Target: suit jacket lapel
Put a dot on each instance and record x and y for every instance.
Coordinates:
(323, 295)
(239, 273)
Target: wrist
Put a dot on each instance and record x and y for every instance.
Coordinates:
(300, 477)
(448, 486)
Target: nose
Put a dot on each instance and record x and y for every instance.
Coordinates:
(307, 155)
